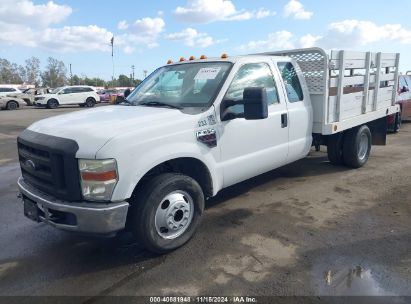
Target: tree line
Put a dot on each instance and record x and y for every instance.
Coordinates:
(54, 75)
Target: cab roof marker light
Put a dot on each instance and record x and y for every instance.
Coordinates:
(182, 59)
(203, 57)
(169, 61)
(192, 58)
(224, 56)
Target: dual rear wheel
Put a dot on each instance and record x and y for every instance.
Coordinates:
(351, 148)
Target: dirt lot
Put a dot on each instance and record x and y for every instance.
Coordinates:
(305, 229)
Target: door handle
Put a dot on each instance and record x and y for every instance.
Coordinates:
(284, 120)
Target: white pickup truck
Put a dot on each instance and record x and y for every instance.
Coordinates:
(195, 127)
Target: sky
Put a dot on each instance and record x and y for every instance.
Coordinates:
(148, 33)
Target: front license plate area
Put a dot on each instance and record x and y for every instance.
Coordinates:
(31, 210)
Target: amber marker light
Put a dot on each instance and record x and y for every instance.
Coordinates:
(224, 56)
(182, 59)
(99, 177)
(192, 58)
(169, 61)
(203, 57)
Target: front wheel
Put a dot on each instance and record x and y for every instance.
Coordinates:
(166, 212)
(357, 147)
(52, 104)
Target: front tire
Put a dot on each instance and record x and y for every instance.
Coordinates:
(12, 105)
(166, 212)
(357, 147)
(52, 104)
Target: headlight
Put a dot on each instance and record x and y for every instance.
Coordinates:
(98, 178)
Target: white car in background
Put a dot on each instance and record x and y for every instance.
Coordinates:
(8, 90)
(84, 96)
(10, 103)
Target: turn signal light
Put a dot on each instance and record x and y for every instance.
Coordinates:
(100, 176)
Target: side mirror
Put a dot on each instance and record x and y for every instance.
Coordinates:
(255, 103)
(405, 89)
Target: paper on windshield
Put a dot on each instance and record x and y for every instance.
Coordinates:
(207, 73)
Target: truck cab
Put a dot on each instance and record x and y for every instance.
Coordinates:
(187, 131)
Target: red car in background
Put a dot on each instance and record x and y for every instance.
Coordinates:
(404, 100)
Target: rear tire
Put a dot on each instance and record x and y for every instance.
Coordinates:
(166, 212)
(335, 149)
(397, 123)
(357, 146)
(90, 102)
(12, 105)
(52, 104)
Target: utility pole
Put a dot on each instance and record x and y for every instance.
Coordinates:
(112, 59)
(71, 76)
(145, 73)
(132, 73)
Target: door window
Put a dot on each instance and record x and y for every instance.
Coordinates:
(67, 91)
(251, 75)
(291, 81)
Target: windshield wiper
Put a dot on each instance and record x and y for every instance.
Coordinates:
(159, 104)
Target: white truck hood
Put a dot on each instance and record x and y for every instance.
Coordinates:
(92, 128)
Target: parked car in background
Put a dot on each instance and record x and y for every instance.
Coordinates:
(28, 95)
(84, 96)
(9, 103)
(404, 100)
(105, 94)
(8, 90)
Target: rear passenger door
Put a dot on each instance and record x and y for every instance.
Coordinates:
(299, 110)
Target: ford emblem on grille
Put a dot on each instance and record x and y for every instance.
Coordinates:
(30, 163)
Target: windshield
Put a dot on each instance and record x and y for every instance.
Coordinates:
(183, 85)
(56, 90)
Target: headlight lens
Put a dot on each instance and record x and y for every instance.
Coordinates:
(98, 178)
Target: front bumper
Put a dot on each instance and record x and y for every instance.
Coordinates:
(85, 217)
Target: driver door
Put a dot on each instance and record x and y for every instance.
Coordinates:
(251, 147)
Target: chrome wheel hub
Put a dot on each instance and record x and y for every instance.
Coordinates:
(363, 147)
(174, 214)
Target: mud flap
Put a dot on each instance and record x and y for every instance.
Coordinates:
(379, 131)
